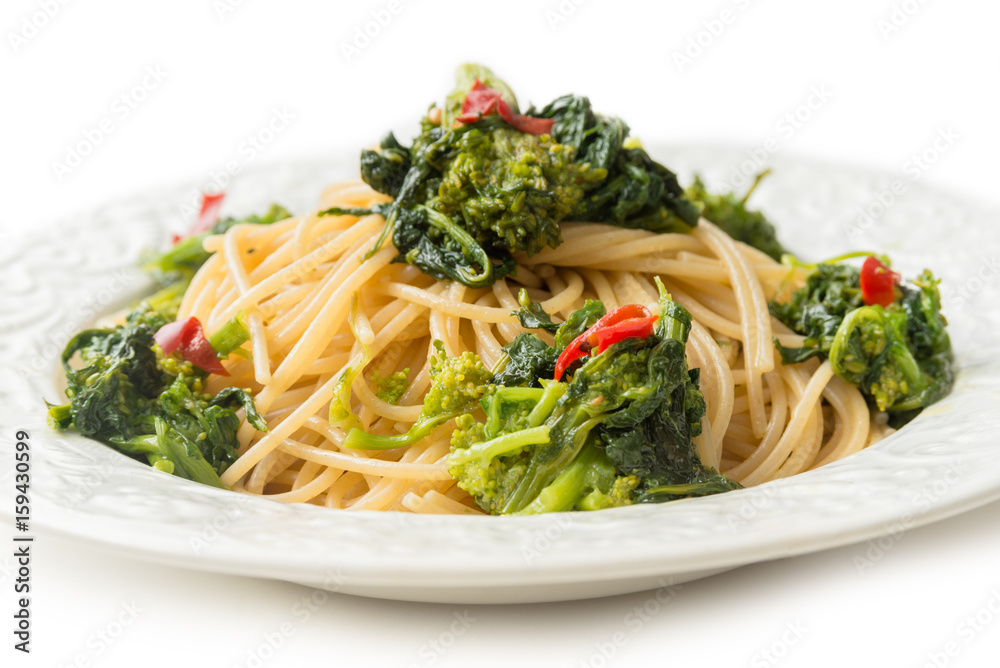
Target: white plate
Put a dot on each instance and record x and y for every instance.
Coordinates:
(945, 462)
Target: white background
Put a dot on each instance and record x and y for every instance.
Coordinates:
(222, 71)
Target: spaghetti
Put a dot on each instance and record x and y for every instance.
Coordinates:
(296, 281)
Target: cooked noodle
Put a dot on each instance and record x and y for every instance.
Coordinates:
(296, 281)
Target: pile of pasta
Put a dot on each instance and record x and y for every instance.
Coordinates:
(296, 281)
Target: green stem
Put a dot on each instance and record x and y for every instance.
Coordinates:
(753, 186)
(677, 490)
(359, 439)
(192, 463)
(790, 260)
(390, 222)
(470, 247)
(508, 395)
(499, 446)
(554, 391)
(230, 336)
(149, 446)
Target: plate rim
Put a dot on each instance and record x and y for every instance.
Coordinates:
(68, 521)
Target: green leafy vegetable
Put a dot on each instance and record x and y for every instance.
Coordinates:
(817, 309)
(510, 189)
(578, 322)
(730, 213)
(635, 191)
(899, 356)
(619, 432)
(422, 239)
(468, 196)
(129, 396)
(385, 169)
(526, 359)
(531, 315)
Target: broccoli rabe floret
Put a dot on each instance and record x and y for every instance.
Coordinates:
(457, 385)
(392, 387)
(489, 479)
(898, 355)
(468, 194)
(512, 188)
(618, 432)
(871, 350)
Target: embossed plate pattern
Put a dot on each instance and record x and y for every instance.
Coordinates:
(945, 462)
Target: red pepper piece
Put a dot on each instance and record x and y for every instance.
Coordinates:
(170, 336)
(529, 124)
(574, 351)
(209, 214)
(188, 337)
(878, 283)
(199, 351)
(626, 329)
(481, 100)
(625, 322)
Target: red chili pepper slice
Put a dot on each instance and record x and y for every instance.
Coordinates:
(209, 214)
(481, 100)
(170, 336)
(529, 124)
(625, 322)
(188, 337)
(878, 283)
(626, 329)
